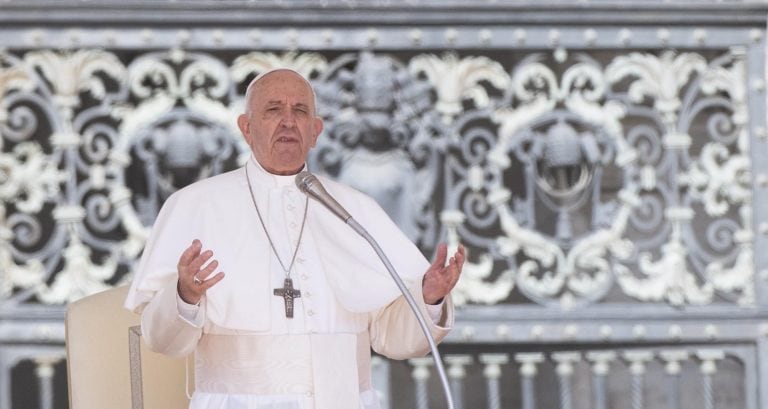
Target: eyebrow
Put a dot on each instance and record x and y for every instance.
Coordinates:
(279, 102)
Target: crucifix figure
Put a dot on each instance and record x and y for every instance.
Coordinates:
(288, 293)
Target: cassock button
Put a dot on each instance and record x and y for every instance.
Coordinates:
(310, 313)
(299, 260)
(304, 277)
(290, 207)
(308, 294)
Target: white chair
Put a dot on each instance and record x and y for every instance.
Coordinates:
(108, 364)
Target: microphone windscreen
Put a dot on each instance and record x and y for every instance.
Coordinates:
(311, 186)
(304, 180)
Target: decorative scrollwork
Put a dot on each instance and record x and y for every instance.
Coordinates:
(457, 79)
(568, 184)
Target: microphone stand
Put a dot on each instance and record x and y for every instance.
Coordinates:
(310, 185)
(412, 303)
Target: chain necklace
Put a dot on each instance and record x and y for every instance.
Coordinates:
(287, 291)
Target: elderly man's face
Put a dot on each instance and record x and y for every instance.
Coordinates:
(281, 126)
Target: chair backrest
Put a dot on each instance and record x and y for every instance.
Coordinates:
(98, 332)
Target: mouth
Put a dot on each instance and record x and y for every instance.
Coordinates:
(287, 139)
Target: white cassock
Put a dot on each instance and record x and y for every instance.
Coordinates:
(247, 353)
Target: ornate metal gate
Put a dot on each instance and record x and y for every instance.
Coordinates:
(603, 161)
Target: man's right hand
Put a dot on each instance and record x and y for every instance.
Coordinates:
(193, 278)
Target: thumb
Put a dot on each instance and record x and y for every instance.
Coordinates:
(440, 256)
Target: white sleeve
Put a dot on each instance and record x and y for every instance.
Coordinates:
(165, 329)
(395, 331)
(435, 311)
(190, 312)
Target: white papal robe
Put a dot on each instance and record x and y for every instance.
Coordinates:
(247, 353)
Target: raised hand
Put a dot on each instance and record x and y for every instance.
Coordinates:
(193, 278)
(440, 278)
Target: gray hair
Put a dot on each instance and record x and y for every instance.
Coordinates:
(252, 85)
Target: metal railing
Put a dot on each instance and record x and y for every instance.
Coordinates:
(604, 165)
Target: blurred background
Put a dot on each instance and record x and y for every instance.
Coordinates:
(603, 161)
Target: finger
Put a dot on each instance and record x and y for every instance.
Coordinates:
(450, 274)
(442, 253)
(457, 259)
(204, 273)
(190, 253)
(461, 257)
(197, 263)
(213, 281)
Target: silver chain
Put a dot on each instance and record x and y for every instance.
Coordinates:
(264, 226)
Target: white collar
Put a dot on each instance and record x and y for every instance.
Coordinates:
(260, 177)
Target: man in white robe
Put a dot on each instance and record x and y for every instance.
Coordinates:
(254, 347)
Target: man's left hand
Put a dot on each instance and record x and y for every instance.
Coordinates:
(440, 278)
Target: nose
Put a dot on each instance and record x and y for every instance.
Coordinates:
(288, 119)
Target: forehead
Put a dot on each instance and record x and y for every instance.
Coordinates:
(282, 86)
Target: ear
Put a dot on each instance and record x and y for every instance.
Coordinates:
(242, 123)
(318, 123)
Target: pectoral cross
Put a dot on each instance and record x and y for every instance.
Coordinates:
(288, 293)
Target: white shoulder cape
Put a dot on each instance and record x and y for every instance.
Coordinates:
(220, 213)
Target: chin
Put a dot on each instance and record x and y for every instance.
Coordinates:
(289, 169)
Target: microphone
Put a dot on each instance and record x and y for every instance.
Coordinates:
(310, 185)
